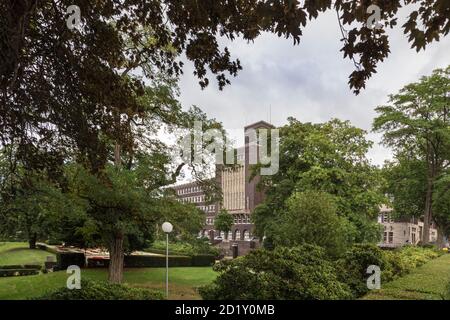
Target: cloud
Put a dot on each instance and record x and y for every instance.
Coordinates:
(309, 81)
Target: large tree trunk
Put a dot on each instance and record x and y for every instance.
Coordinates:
(116, 259)
(427, 215)
(440, 237)
(32, 241)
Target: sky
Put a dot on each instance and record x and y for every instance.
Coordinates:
(309, 81)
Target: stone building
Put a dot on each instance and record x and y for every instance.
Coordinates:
(240, 197)
(399, 232)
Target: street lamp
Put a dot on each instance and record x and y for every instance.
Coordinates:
(167, 227)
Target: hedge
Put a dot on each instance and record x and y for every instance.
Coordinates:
(66, 259)
(18, 272)
(203, 260)
(140, 261)
(101, 290)
(21, 266)
(134, 261)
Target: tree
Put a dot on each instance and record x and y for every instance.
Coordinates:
(328, 158)
(416, 122)
(223, 221)
(311, 217)
(33, 211)
(194, 28)
(441, 207)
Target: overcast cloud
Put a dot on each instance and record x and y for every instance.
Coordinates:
(309, 81)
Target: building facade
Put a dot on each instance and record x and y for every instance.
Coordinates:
(240, 196)
(399, 232)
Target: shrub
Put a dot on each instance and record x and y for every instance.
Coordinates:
(203, 260)
(66, 259)
(193, 247)
(18, 272)
(97, 290)
(132, 261)
(300, 273)
(22, 266)
(416, 256)
(352, 267)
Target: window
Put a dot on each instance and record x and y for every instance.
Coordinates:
(246, 234)
(385, 237)
(391, 237)
(222, 234)
(237, 235)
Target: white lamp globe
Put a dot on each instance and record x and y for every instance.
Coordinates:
(167, 227)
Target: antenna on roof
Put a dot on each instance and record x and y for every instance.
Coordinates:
(270, 113)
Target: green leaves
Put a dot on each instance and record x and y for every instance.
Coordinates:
(327, 160)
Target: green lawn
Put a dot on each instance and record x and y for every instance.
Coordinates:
(427, 282)
(182, 281)
(18, 253)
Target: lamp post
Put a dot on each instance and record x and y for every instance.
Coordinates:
(167, 227)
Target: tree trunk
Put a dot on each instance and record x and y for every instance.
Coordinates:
(440, 237)
(116, 259)
(427, 213)
(32, 241)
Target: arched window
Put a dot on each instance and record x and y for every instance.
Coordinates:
(237, 234)
(246, 235)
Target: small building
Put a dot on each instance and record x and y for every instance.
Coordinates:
(398, 232)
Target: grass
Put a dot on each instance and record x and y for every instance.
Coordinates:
(18, 253)
(427, 282)
(183, 281)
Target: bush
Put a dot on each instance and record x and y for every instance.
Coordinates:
(133, 261)
(193, 247)
(18, 272)
(22, 266)
(203, 260)
(352, 267)
(138, 261)
(300, 273)
(66, 259)
(97, 290)
(414, 257)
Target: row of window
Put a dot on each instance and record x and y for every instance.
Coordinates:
(210, 208)
(226, 236)
(196, 199)
(189, 190)
(238, 219)
(242, 219)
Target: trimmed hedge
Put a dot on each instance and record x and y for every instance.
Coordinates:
(18, 272)
(156, 261)
(135, 261)
(21, 266)
(66, 259)
(203, 260)
(99, 290)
